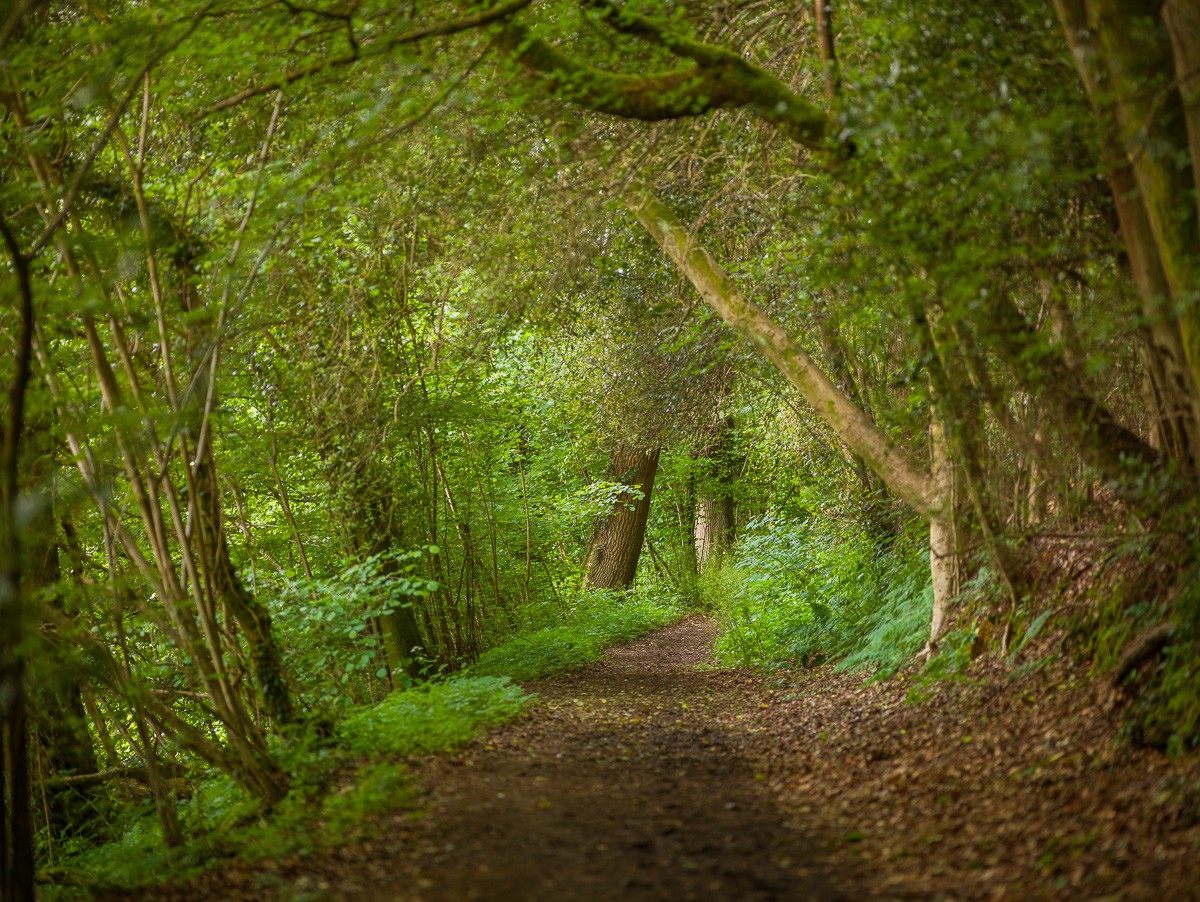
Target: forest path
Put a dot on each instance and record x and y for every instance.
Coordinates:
(632, 778)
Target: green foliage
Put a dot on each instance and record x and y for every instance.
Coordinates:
(898, 629)
(433, 717)
(597, 620)
(807, 591)
(329, 802)
(334, 648)
(1167, 713)
(954, 654)
(379, 787)
(137, 858)
(419, 327)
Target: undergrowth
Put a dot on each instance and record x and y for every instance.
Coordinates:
(805, 592)
(433, 717)
(597, 620)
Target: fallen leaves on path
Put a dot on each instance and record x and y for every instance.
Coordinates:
(652, 775)
(1001, 784)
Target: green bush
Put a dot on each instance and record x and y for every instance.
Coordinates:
(899, 628)
(332, 650)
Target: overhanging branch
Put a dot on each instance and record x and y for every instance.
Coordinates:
(902, 475)
(717, 79)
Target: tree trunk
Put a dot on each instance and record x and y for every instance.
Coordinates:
(16, 824)
(929, 494)
(616, 544)
(402, 634)
(944, 557)
(847, 419)
(715, 509)
(1138, 77)
(714, 530)
(226, 585)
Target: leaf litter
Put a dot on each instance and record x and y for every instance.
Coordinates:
(652, 775)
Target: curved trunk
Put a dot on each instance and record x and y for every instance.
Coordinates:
(226, 585)
(616, 544)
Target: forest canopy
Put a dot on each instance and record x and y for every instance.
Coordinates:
(347, 342)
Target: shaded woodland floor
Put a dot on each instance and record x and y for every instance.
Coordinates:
(653, 775)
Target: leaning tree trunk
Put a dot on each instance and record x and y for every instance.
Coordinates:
(616, 544)
(266, 659)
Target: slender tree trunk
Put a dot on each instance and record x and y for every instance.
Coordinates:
(944, 557)
(823, 19)
(715, 528)
(252, 617)
(617, 540)
(16, 824)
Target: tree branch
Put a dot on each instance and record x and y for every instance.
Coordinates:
(134, 772)
(717, 79)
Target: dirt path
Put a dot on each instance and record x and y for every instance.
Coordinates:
(631, 779)
(650, 775)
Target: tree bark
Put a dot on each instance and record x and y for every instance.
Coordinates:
(944, 557)
(616, 544)
(226, 585)
(715, 529)
(823, 18)
(16, 824)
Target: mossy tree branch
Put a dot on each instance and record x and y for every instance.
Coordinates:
(717, 79)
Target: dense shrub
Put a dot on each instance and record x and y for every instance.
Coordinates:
(806, 591)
